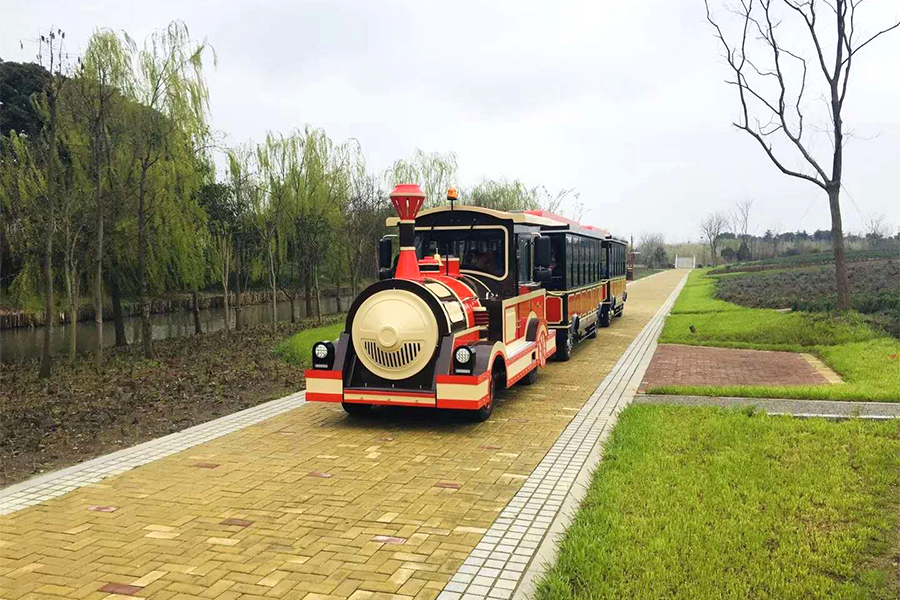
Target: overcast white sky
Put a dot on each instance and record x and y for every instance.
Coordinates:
(623, 101)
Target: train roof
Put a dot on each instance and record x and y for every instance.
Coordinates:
(546, 220)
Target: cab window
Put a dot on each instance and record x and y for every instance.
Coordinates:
(477, 249)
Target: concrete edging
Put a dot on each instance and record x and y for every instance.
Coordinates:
(832, 409)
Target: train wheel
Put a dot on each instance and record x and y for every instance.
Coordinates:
(531, 377)
(484, 413)
(604, 316)
(358, 410)
(564, 344)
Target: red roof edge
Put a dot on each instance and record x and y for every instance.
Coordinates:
(549, 215)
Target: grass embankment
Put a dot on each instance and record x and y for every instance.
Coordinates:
(78, 414)
(710, 503)
(641, 272)
(297, 349)
(867, 359)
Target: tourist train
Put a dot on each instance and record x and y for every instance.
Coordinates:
(475, 301)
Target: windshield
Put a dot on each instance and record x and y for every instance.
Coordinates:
(477, 249)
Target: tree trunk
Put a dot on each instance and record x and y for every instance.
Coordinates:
(118, 315)
(274, 292)
(307, 292)
(198, 330)
(292, 298)
(53, 189)
(318, 296)
(227, 319)
(354, 275)
(146, 331)
(98, 281)
(46, 360)
(73, 312)
(340, 307)
(837, 243)
(237, 288)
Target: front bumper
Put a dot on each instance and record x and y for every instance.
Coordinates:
(467, 392)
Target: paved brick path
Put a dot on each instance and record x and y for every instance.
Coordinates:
(309, 504)
(676, 364)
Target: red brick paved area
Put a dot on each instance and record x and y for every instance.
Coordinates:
(675, 364)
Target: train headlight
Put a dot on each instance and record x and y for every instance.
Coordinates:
(323, 355)
(463, 355)
(464, 360)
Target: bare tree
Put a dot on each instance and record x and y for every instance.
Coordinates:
(652, 247)
(876, 229)
(712, 226)
(740, 225)
(771, 81)
(740, 219)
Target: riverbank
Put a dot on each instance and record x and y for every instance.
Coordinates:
(18, 317)
(78, 414)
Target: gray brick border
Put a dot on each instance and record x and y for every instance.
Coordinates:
(44, 487)
(829, 409)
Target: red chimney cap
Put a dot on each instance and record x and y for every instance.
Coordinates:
(405, 190)
(407, 199)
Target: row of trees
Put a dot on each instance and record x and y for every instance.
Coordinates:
(108, 187)
(718, 228)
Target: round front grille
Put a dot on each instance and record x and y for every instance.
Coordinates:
(396, 360)
(394, 333)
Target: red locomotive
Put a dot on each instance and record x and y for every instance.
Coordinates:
(476, 299)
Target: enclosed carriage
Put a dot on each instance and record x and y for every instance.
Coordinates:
(475, 300)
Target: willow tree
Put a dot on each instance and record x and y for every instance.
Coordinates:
(503, 195)
(50, 51)
(433, 171)
(274, 204)
(782, 54)
(104, 75)
(169, 122)
(241, 180)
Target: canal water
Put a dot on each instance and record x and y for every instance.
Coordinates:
(27, 342)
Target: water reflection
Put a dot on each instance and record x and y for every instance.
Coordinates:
(23, 343)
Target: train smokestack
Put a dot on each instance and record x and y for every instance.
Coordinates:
(407, 199)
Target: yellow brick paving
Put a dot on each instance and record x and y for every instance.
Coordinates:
(293, 507)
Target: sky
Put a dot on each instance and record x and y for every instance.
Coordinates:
(623, 101)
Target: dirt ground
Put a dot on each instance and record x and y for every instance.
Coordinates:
(77, 414)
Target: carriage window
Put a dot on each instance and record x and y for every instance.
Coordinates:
(477, 249)
(557, 255)
(570, 261)
(579, 262)
(603, 263)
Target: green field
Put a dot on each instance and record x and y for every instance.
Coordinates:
(866, 358)
(297, 349)
(874, 289)
(708, 503)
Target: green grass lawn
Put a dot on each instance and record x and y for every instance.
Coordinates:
(703, 503)
(297, 349)
(867, 359)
